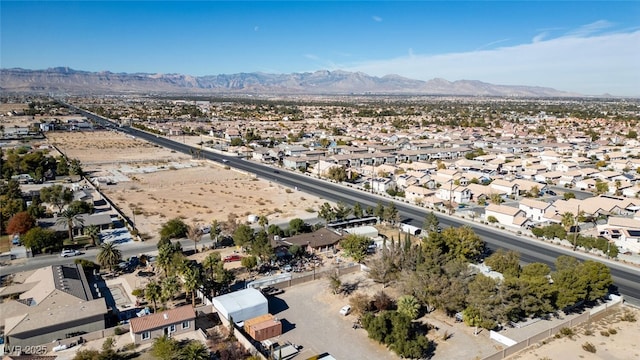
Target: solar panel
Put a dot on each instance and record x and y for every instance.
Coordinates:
(634, 233)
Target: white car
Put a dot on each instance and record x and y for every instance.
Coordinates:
(67, 253)
(345, 310)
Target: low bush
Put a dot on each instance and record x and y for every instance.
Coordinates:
(589, 347)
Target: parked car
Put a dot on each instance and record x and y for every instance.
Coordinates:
(287, 268)
(234, 257)
(346, 310)
(271, 291)
(68, 252)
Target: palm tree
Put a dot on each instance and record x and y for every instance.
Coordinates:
(170, 286)
(263, 221)
(69, 219)
(569, 221)
(215, 232)
(153, 293)
(194, 233)
(109, 255)
(93, 232)
(194, 351)
(409, 305)
(192, 281)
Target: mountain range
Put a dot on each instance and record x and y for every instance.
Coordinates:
(70, 81)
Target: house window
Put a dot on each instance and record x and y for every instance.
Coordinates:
(146, 335)
(185, 324)
(172, 328)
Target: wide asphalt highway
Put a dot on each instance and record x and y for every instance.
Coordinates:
(626, 278)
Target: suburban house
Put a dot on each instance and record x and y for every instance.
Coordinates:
(458, 194)
(165, 323)
(321, 240)
(54, 302)
(417, 194)
(625, 232)
(506, 215)
(504, 186)
(101, 220)
(534, 209)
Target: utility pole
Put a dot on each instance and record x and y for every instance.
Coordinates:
(575, 230)
(451, 196)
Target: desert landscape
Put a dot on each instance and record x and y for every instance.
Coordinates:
(152, 184)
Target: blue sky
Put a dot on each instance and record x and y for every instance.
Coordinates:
(590, 47)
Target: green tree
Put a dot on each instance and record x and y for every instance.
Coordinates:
(194, 350)
(93, 231)
(169, 287)
(263, 222)
(337, 173)
(57, 195)
(243, 236)
(334, 282)
(80, 207)
(357, 210)
(164, 348)
(355, 246)
(153, 293)
(70, 220)
(38, 239)
(431, 222)
(505, 262)
(568, 283)
(192, 277)
(327, 212)
(409, 306)
(194, 233)
(174, 229)
(296, 226)
(249, 262)
(341, 211)
(378, 211)
(391, 213)
(109, 255)
(215, 232)
(597, 277)
(602, 187)
(568, 195)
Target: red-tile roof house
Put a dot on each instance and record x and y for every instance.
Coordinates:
(169, 322)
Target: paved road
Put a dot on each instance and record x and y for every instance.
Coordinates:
(626, 278)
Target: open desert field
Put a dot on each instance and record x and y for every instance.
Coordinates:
(152, 184)
(611, 337)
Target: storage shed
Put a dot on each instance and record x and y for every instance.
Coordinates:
(241, 305)
(263, 327)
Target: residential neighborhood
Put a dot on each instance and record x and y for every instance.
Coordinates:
(543, 176)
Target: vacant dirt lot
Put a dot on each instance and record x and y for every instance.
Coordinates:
(611, 337)
(152, 184)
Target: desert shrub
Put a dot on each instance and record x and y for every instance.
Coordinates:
(604, 333)
(589, 347)
(628, 316)
(613, 331)
(588, 332)
(119, 331)
(569, 332)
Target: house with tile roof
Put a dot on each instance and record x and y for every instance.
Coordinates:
(164, 323)
(506, 215)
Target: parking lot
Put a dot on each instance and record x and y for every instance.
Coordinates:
(310, 318)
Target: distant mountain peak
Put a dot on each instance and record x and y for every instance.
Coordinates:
(65, 79)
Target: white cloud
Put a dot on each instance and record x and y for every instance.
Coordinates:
(592, 28)
(577, 62)
(376, 18)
